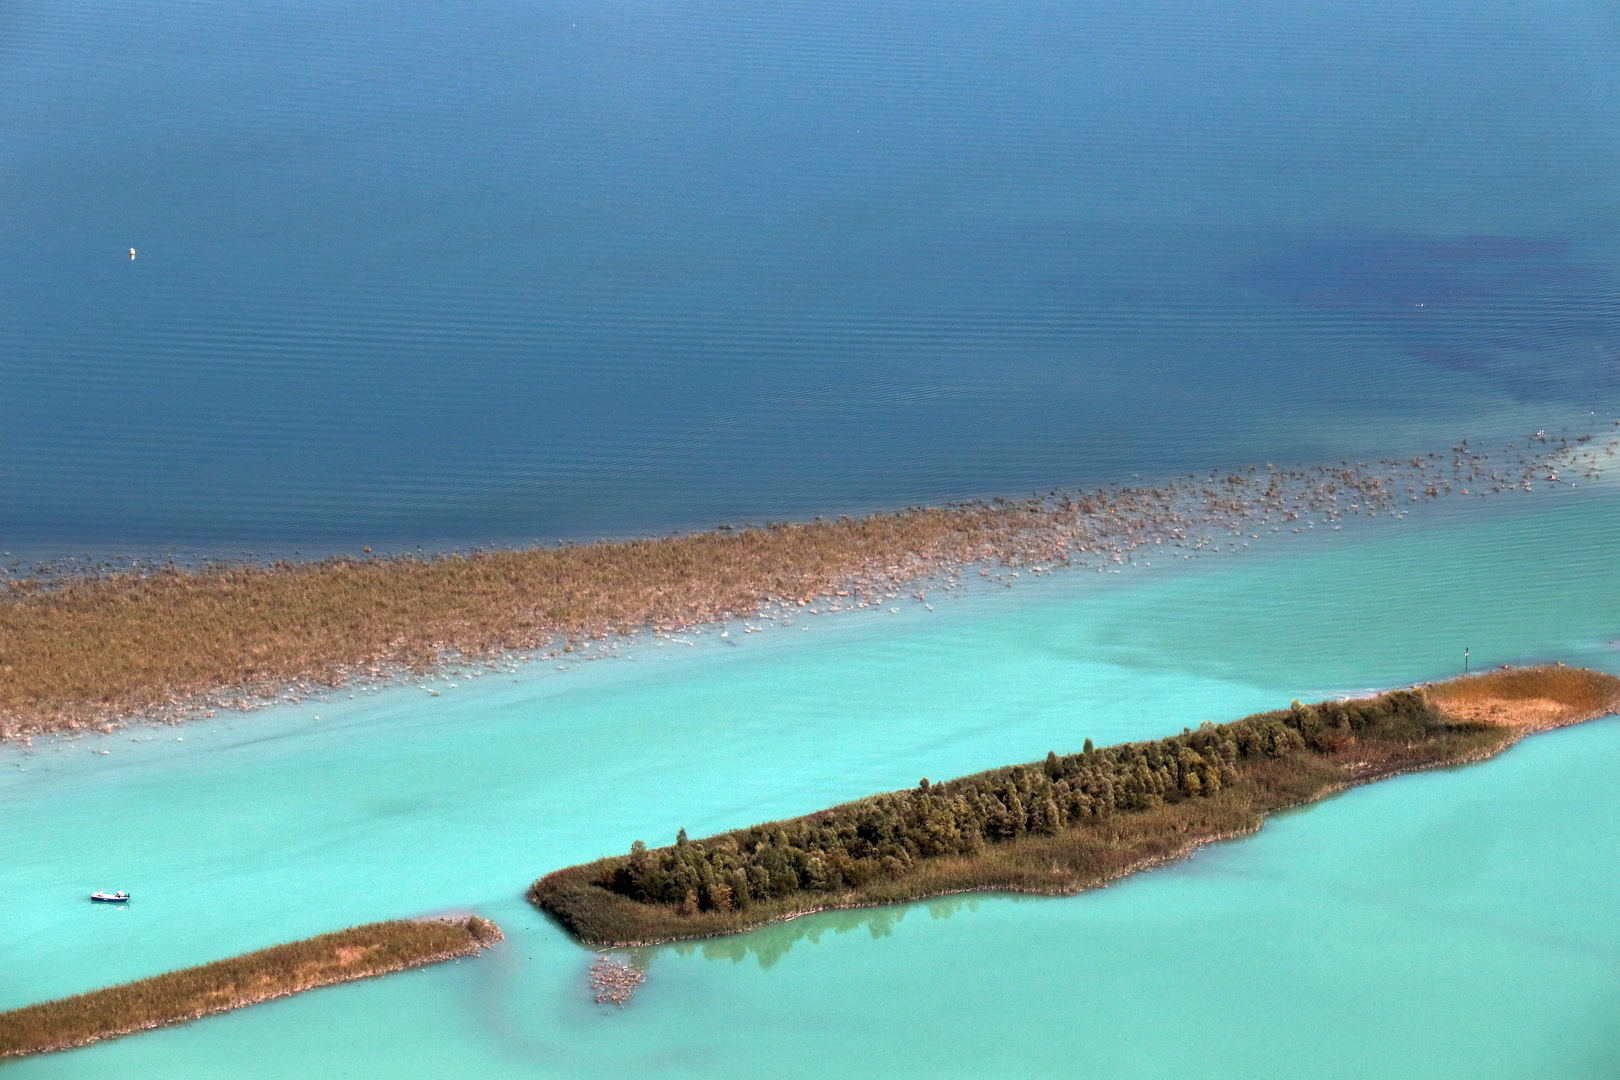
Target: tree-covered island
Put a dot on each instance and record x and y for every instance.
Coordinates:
(1061, 825)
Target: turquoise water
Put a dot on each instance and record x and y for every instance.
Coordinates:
(1455, 923)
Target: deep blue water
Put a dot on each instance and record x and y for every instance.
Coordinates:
(447, 274)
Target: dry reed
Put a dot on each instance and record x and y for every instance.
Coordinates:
(1571, 687)
(357, 953)
(96, 649)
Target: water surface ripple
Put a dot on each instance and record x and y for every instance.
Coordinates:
(412, 276)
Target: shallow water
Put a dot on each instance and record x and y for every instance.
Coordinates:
(1462, 921)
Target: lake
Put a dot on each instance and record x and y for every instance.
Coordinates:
(414, 275)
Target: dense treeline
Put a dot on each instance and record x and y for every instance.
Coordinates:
(885, 835)
(1063, 824)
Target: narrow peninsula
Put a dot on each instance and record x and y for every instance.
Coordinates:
(359, 952)
(1064, 824)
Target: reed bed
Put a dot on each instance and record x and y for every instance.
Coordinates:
(1053, 827)
(1574, 688)
(1530, 699)
(85, 650)
(99, 648)
(357, 953)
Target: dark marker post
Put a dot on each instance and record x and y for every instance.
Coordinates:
(1465, 659)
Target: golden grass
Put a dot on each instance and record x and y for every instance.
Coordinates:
(1571, 687)
(100, 648)
(357, 953)
(1530, 699)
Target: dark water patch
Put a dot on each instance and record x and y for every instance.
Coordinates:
(1392, 274)
(1536, 316)
(1463, 360)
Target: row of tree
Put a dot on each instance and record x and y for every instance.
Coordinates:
(883, 836)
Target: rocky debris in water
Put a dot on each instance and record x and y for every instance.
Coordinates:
(484, 932)
(615, 980)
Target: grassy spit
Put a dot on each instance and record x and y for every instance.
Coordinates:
(96, 649)
(1062, 825)
(357, 953)
(171, 643)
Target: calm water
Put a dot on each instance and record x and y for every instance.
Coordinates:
(411, 273)
(1432, 926)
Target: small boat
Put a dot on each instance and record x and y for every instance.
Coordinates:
(119, 897)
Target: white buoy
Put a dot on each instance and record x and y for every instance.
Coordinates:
(131, 254)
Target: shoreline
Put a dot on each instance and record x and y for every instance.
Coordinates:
(171, 644)
(279, 971)
(577, 898)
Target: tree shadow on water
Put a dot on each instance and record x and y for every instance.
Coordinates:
(770, 943)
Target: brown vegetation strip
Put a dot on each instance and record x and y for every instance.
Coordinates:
(89, 650)
(97, 648)
(357, 953)
(1063, 825)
